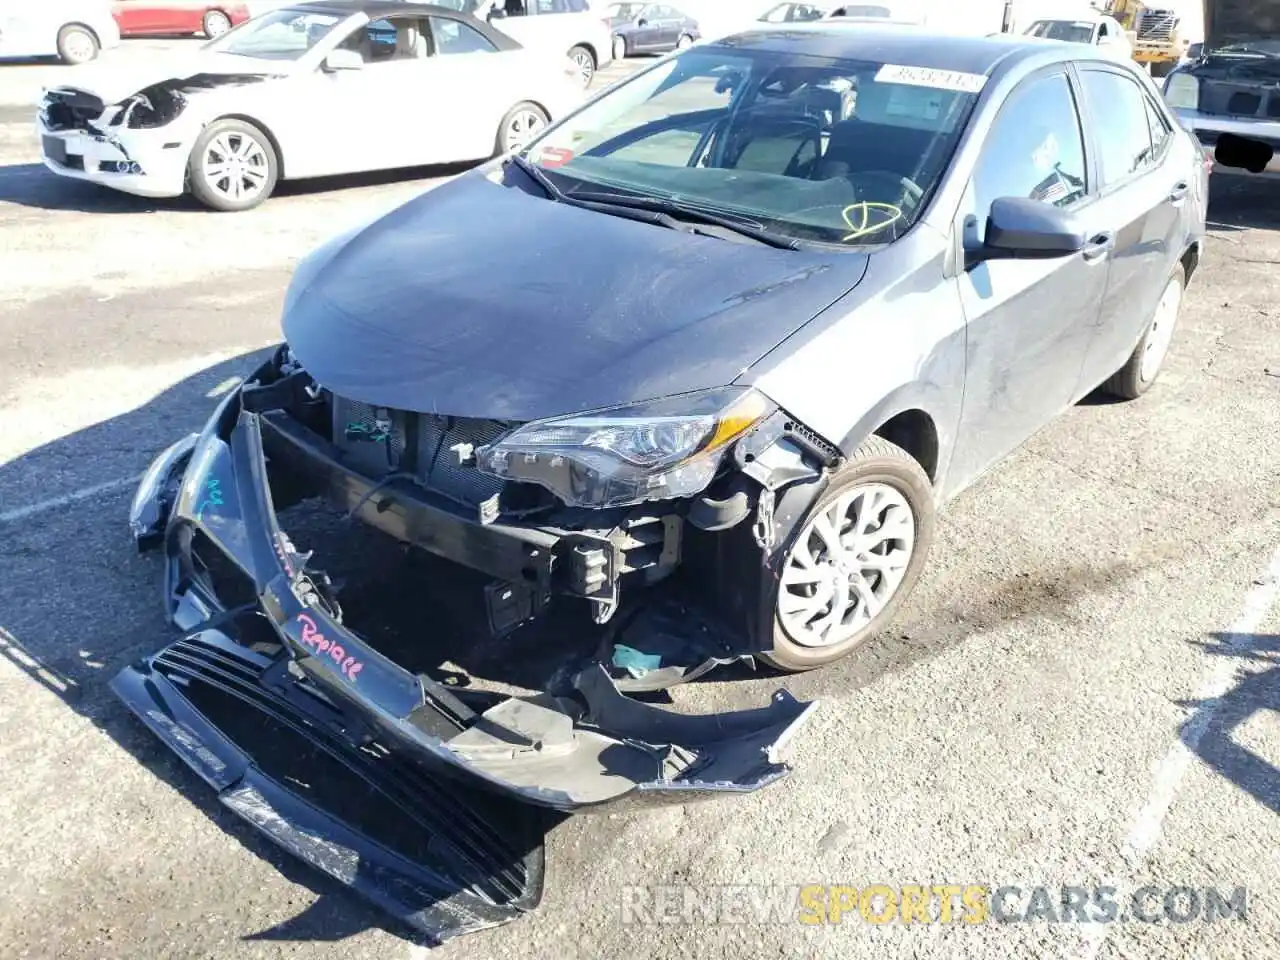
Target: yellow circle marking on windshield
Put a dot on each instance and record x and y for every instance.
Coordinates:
(865, 226)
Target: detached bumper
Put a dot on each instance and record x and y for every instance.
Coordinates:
(275, 639)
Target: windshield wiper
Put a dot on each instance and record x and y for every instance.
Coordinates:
(688, 215)
(534, 172)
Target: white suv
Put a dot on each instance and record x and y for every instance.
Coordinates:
(568, 26)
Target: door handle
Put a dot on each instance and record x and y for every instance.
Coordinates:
(1098, 246)
(1179, 192)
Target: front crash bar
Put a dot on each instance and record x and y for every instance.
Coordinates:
(569, 754)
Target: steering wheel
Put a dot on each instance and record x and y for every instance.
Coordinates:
(910, 194)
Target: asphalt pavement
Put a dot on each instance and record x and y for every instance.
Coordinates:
(1082, 693)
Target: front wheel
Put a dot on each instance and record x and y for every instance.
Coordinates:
(522, 123)
(619, 48)
(585, 61)
(216, 23)
(232, 166)
(855, 559)
(77, 44)
(1144, 364)
(685, 42)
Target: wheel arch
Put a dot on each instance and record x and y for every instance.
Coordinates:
(266, 132)
(590, 47)
(913, 418)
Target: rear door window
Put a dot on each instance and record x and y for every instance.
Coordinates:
(1121, 124)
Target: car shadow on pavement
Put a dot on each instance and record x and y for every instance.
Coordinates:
(72, 554)
(1211, 732)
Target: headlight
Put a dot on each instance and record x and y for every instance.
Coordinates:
(1182, 91)
(657, 450)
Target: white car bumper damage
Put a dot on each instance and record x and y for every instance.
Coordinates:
(147, 163)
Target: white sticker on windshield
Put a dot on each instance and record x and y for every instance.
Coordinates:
(928, 77)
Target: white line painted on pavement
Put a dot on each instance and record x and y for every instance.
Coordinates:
(1215, 683)
(31, 509)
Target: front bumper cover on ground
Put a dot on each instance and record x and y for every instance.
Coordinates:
(284, 657)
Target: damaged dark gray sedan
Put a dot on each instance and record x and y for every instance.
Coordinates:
(722, 340)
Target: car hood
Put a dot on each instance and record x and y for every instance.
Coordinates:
(111, 83)
(481, 300)
(1233, 21)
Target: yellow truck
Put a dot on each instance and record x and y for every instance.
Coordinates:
(1153, 34)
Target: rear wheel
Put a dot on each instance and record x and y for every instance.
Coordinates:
(855, 559)
(522, 123)
(232, 166)
(216, 23)
(77, 44)
(619, 48)
(1143, 366)
(585, 61)
(685, 42)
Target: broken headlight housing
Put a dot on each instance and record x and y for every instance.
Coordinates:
(656, 450)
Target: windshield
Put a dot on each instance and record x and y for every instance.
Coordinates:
(1072, 31)
(277, 35)
(793, 13)
(811, 148)
(1259, 47)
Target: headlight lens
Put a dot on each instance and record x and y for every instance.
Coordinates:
(1182, 91)
(657, 450)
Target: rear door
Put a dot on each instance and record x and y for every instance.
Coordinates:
(1029, 322)
(1141, 196)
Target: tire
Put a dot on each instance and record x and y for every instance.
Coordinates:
(535, 121)
(1145, 363)
(888, 480)
(586, 62)
(234, 139)
(619, 48)
(215, 23)
(77, 44)
(685, 42)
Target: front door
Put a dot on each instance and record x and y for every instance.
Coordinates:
(1028, 321)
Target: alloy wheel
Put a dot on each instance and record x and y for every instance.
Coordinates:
(846, 565)
(78, 46)
(586, 66)
(235, 166)
(522, 127)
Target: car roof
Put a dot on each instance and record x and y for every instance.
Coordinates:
(375, 8)
(909, 45)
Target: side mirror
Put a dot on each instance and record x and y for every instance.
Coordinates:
(339, 60)
(642, 22)
(1019, 228)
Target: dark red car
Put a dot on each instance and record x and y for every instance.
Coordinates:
(143, 18)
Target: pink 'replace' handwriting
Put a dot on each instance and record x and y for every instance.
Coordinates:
(312, 638)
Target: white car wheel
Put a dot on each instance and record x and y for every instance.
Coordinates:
(233, 166)
(586, 64)
(216, 23)
(76, 44)
(522, 123)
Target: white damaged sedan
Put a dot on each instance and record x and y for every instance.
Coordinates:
(309, 90)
